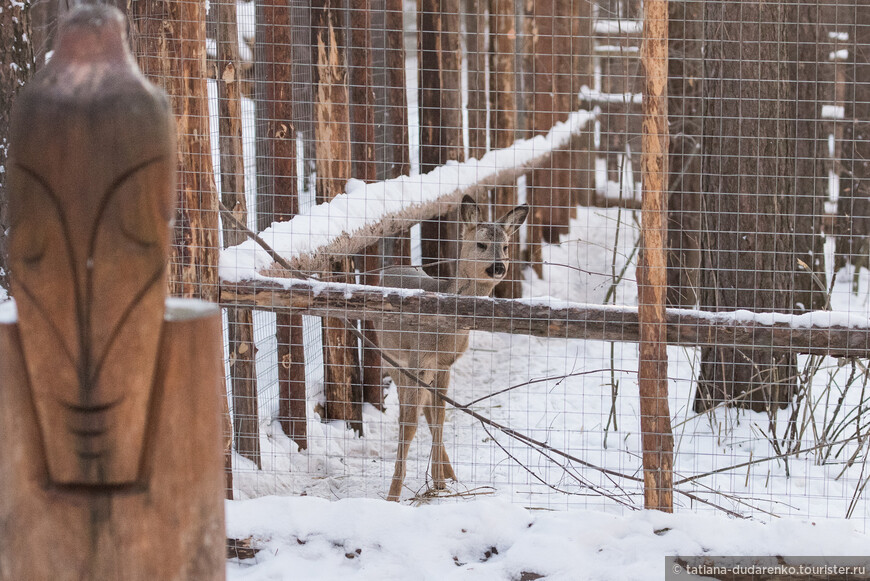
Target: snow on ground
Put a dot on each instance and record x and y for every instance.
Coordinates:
(494, 540)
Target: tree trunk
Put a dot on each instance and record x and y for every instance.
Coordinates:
(503, 121)
(476, 50)
(240, 322)
(397, 249)
(621, 122)
(854, 202)
(440, 119)
(279, 136)
(564, 99)
(547, 24)
(810, 154)
(553, 202)
(362, 100)
(169, 42)
(333, 154)
(748, 169)
(685, 82)
(525, 66)
(16, 66)
(264, 65)
(582, 51)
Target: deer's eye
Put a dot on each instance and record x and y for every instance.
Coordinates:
(481, 246)
(505, 248)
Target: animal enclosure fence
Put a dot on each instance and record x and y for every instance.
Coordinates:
(346, 134)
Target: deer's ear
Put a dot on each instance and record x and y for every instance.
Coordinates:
(469, 212)
(512, 220)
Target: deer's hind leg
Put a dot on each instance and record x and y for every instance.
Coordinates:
(433, 409)
(409, 414)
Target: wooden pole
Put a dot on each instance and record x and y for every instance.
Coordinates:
(655, 418)
(169, 43)
(333, 144)
(440, 119)
(240, 322)
(109, 408)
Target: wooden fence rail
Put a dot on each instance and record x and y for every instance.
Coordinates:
(807, 333)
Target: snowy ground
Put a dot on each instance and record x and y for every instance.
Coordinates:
(356, 539)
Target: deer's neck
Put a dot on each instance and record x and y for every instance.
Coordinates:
(471, 287)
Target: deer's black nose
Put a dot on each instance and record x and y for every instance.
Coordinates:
(496, 269)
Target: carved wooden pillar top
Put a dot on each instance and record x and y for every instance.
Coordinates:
(91, 182)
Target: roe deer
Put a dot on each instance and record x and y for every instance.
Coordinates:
(429, 354)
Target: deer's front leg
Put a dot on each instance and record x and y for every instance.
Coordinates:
(434, 412)
(408, 416)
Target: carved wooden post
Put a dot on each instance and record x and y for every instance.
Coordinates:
(110, 405)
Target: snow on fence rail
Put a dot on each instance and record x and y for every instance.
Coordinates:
(817, 333)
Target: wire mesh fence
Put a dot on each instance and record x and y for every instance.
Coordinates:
(348, 135)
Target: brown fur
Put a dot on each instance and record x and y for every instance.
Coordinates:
(429, 354)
